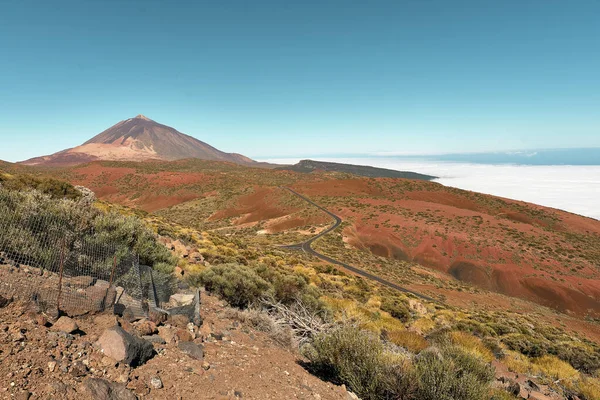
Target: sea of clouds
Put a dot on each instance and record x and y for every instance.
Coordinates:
(574, 188)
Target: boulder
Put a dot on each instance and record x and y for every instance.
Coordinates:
(157, 316)
(181, 299)
(145, 327)
(102, 284)
(179, 320)
(121, 346)
(82, 281)
(96, 297)
(417, 307)
(193, 350)
(66, 325)
(101, 389)
(181, 249)
(196, 257)
(183, 335)
(167, 333)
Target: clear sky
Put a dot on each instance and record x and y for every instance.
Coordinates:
(272, 78)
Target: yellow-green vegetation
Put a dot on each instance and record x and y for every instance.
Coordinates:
(49, 186)
(411, 348)
(459, 339)
(35, 225)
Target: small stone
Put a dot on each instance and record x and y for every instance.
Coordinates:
(154, 339)
(52, 366)
(193, 350)
(66, 325)
(205, 366)
(101, 389)
(23, 395)
(156, 383)
(41, 320)
(78, 369)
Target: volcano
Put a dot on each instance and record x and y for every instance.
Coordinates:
(138, 139)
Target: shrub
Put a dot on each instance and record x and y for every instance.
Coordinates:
(350, 356)
(584, 359)
(52, 187)
(396, 308)
(36, 228)
(526, 345)
(451, 374)
(239, 285)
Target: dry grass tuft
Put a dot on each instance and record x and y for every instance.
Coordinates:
(471, 344)
(411, 341)
(554, 368)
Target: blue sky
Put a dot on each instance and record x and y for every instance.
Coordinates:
(271, 78)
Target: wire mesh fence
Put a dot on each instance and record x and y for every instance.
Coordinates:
(45, 257)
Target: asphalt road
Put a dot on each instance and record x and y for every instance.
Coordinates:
(306, 247)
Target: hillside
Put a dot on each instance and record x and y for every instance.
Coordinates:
(308, 166)
(293, 316)
(518, 249)
(137, 139)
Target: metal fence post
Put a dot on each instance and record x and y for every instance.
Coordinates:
(60, 276)
(112, 273)
(156, 303)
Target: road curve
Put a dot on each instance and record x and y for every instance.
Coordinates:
(306, 247)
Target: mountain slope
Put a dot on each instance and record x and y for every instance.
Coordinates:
(308, 166)
(138, 139)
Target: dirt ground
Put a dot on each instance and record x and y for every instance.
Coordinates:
(37, 362)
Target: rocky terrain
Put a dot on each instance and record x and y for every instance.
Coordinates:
(104, 356)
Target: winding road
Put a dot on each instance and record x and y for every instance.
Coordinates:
(306, 247)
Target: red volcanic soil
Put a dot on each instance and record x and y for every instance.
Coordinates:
(262, 204)
(511, 247)
(522, 250)
(346, 187)
(134, 187)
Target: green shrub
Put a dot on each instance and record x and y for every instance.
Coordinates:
(350, 356)
(239, 285)
(53, 187)
(396, 308)
(580, 358)
(450, 374)
(526, 345)
(38, 228)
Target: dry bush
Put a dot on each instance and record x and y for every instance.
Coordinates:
(304, 322)
(263, 322)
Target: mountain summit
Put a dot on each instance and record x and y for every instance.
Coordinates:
(138, 139)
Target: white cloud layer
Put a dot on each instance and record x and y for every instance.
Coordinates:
(567, 187)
